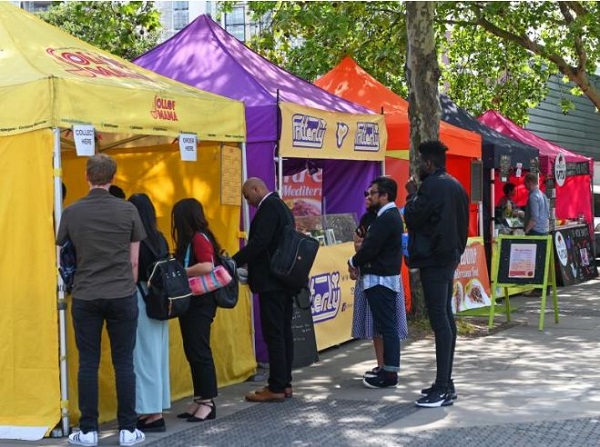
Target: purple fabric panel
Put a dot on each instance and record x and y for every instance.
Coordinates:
(207, 57)
(196, 56)
(344, 183)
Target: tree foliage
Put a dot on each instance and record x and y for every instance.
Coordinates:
(492, 54)
(126, 29)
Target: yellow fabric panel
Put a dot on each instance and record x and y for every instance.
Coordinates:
(399, 154)
(29, 364)
(159, 172)
(70, 81)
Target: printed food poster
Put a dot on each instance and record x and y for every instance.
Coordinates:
(471, 284)
(303, 193)
(521, 263)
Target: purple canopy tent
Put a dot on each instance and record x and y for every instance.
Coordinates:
(205, 56)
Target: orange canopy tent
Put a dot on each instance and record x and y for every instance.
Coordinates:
(349, 81)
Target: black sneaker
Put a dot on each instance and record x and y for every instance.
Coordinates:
(451, 390)
(434, 399)
(372, 372)
(383, 379)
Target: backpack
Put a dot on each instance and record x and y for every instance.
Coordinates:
(294, 256)
(169, 292)
(227, 297)
(68, 265)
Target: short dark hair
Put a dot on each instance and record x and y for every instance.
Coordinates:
(116, 191)
(386, 185)
(101, 169)
(508, 188)
(530, 177)
(434, 151)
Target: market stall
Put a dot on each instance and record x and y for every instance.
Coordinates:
(566, 177)
(350, 81)
(51, 83)
(291, 125)
(502, 157)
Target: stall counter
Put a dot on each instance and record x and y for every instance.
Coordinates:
(332, 292)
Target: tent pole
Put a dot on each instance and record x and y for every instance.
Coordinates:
(61, 302)
(246, 226)
(492, 200)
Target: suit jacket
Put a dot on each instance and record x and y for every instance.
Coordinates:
(265, 231)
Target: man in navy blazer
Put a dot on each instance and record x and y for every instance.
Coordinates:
(276, 300)
(379, 260)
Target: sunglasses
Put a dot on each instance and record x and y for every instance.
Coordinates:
(371, 193)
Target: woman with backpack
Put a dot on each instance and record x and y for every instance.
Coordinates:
(151, 353)
(196, 248)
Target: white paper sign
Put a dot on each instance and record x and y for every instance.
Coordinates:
(187, 146)
(85, 144)
(560, 169)
(519, 170)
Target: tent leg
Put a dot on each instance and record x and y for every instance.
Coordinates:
(246, 226)
(61, 302)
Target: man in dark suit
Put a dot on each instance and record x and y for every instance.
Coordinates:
(274, 297)
(379, 260)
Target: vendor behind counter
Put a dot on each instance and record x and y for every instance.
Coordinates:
(509, 217)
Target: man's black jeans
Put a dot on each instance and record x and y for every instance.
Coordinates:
(383, 302)
(121, 315)
(437, 289)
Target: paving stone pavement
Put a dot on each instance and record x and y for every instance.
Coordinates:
(519, 387)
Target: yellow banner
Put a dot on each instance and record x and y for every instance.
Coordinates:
(314, 133)
(52, 79)
(332, 293)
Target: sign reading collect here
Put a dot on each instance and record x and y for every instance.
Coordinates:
(85, 144)
(188, 146)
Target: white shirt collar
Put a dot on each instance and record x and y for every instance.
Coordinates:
(385, 207)
(263, 199)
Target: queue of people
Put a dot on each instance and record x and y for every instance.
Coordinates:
(117, 241)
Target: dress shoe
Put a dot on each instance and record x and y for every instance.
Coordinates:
(265, 395)
(155, 426)
(211, 415)
(289, 392)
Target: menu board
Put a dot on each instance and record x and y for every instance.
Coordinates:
(522, 260)
(305, 343)
(575, 261)
(471, 288)
(231, 175)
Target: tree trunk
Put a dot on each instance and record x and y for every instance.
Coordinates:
(422, 74)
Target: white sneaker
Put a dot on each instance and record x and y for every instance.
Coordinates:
(80, 438)
(127, 437)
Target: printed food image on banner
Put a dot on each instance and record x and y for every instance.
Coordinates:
(471, 288)
(302, 192)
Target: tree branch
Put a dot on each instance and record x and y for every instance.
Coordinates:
(579, 48)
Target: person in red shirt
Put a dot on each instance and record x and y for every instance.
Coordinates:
(195, 248)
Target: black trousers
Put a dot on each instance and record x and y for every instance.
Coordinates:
(195, 332)
(276, 310)
(437, 288)
(121, 316)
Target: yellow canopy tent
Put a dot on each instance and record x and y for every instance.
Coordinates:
(50, 81)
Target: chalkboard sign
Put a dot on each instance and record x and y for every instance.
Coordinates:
(522, 260)
(575, 261)
(305, 343)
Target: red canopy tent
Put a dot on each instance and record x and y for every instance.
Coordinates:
(575, 196)
(349, 81)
